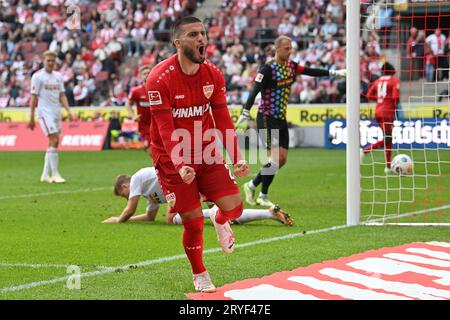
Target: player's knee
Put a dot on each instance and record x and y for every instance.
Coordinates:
(53, 141)
(194, 225)
(191, 215)
(235, 212)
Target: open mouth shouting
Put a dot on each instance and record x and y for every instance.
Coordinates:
(202, 51)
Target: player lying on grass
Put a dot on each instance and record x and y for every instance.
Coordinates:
(145, 183)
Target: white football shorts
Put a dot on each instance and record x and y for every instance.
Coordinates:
(50, 124)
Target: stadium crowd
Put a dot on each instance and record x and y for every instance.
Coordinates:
(92, 39)
(99, 53)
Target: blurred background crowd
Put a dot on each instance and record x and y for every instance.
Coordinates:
(101, 44)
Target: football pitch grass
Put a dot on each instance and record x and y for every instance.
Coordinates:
(45, 228)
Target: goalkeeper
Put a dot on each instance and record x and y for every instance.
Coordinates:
(274, 81)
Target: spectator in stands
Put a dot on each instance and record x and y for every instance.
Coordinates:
(417, 55)
(329, 28)
(138, 35)
(112, 15)
(96, 67)
(106, 36)
(47, 36)
(88, 80)
(66, 72)
(335, 9)
(300, 31)
(308, 94)
(69, 93)
(385, 13)
(119, 95)
(230, 30)
(264, 34)
(23, 99)
(296, 90)
(234, 67)
(240, 20)
(437, 44)
(14, 88)
(284, 4)
(80, 93)
(285, 27)
(430, 62)
(271, 5)
(78, 64)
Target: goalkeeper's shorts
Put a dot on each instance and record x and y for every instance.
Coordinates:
(273, 133)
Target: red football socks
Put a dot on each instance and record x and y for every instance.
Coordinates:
(193, 243)
(223, 216)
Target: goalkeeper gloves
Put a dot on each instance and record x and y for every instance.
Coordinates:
(338, 73)
(242, 121)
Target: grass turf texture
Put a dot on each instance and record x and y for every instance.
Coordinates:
(64, 228)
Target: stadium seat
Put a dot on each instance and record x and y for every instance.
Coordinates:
(40, 47)
(256, 22)
(266, 13)
(250, 13)
(249, 33)
(29, 56)
(102, 76)
(281, 12)
(26, 47)
(273, 22)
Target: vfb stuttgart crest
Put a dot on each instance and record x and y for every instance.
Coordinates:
(208, 90)
(171, 199)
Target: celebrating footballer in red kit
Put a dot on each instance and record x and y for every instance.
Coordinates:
(187, 101)
(386, 91)
(138, 95)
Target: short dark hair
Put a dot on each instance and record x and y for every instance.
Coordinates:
(387, 69)
(144, 67)
(181, 22)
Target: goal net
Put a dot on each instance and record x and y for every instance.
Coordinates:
(413, 36)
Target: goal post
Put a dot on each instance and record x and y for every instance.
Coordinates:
(353, 102)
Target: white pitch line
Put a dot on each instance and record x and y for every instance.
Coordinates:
(173, 258)
(31, 265)
(32, 195)
(408, 214)
(159, 260)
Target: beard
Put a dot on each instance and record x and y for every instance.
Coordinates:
(191, 55)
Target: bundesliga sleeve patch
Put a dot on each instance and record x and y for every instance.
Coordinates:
(155, 98)
(259, 77)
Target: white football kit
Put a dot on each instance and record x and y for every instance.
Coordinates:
(47, 87)
(145, 183)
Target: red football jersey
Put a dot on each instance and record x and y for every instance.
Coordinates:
(185, 102)
(386, 91)
(138, 95)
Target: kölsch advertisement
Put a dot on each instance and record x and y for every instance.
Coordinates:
(415, 133)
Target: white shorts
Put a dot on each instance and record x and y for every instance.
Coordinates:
(50, 124)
